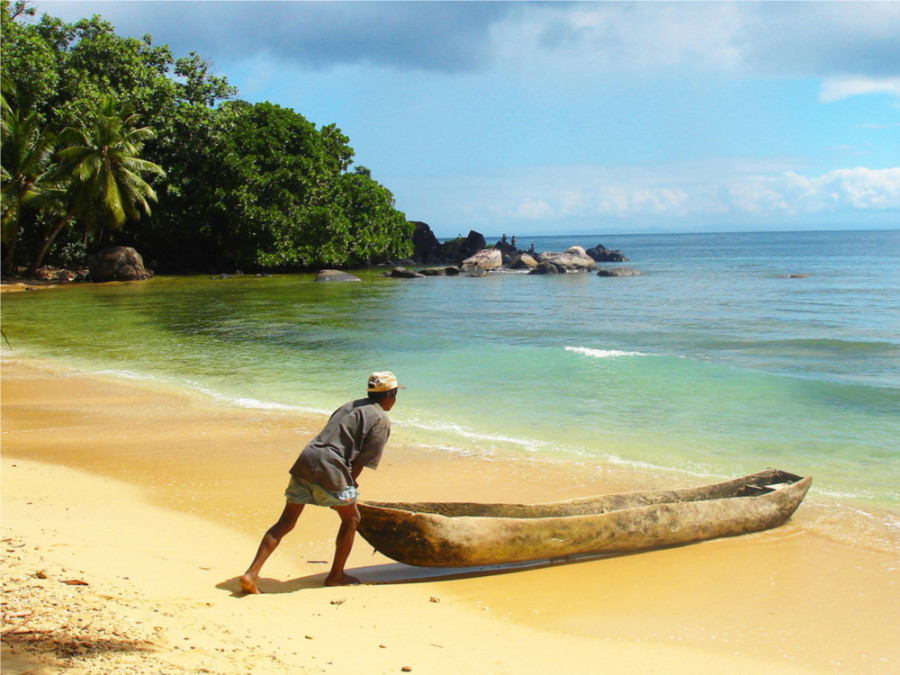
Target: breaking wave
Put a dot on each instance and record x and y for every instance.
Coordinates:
(602, 353)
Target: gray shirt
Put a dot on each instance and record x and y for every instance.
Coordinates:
(356, 433)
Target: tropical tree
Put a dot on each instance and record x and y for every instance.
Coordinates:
(378, 231)
(103, 167)
(30, 62)
(246, 185)
(26, 160)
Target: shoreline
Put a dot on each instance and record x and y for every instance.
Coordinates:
(214, 474)
(842, 517)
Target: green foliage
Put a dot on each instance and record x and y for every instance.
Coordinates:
(199, 87)
(236, 184)
(27, 151)
(29, 62)
(99, 178)
(104, 167)
(378, 230)
(270, 193)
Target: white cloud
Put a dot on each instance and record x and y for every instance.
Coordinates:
(841, 190)
(860, 188)
(838, 88)
(685, 190)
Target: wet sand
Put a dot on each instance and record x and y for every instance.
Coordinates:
(156, 498)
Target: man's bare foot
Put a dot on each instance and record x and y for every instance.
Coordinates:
(344, 580)
(248, 584)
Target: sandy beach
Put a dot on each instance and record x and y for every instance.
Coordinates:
(130, 509)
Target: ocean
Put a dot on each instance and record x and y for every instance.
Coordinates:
(729, 353)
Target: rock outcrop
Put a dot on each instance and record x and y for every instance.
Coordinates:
(449, 271)
(602, 254)
(403, 273)
(522, 261)
(335, 275)
(486, 259)
(546, 268)
(618, 272)
(573, 259)
(426, 247)
(118, 263)
(471, 256)
(427, 250)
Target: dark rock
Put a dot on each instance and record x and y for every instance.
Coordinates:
(428, 250)
(403, 273)
(546, 268)
(602, 254)
(426, 247)
(457, 250)
(474, 242)
(118, 263)
(335, 275)
(441, 271)
(507, 248)
(618, 272)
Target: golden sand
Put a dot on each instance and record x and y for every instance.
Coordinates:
(156, 499)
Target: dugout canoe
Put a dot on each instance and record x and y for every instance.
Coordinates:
(458, 534)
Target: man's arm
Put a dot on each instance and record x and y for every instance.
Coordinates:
(355, 470)
(373, 443)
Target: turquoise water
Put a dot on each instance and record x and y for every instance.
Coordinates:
(713, 361)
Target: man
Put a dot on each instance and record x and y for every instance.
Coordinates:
(325, 474)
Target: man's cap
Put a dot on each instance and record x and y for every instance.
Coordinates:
(383, 381)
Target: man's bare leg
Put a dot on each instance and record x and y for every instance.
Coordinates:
(349, 522)
(269, 543)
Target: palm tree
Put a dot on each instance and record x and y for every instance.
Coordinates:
(103, 166)
(26, 157)
(6, 86)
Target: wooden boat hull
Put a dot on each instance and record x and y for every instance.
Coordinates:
(448, 534)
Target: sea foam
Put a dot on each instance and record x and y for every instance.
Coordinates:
(602, 353)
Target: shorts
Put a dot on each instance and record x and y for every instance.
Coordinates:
(300, 491)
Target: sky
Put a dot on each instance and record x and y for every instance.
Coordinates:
(576, 118)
